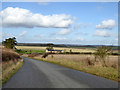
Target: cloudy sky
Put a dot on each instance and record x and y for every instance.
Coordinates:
(85, 23)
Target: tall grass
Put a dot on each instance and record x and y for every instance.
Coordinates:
(9, 54)
(11, 62)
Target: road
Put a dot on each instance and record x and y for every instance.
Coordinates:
(39, 74)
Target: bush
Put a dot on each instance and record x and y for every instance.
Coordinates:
(102, 53)
(45, 55)
(33, 55)
(8, 54)
(88, 62)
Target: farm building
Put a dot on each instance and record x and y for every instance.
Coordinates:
(53, 51)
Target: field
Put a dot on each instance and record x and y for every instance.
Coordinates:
(82, 62)
(57, 48)
(79, 50)
(85, 63)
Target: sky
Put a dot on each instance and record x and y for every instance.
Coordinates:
(83, 23)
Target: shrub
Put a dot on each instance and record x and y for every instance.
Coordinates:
(44, 55)
(33, 55)
(115, 66)
(102, 53)
(87, 62)
(8, 54)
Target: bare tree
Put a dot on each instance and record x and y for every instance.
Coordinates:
(102, 53)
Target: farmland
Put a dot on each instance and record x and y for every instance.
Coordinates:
(59, 48)
(85, 63)
(82, 62)
(41, 49)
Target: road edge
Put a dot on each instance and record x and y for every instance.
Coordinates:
(14, 71)
(70, 68)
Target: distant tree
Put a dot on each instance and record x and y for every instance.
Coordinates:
(70, 50)
(102, 53)
(44, 55)
(50, 46)
(10, 43)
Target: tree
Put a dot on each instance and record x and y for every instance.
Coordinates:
(70, 50)
(50, 46)
(10, 43)
(102, 53)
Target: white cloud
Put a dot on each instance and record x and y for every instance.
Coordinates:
(77, 26)
(108, 24)
(18, 17)
(81, 33)
(22, 34)
(81, 25)
(64, 32)
(60, 38)
(102, 33)
(79, 39)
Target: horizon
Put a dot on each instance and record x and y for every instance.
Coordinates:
(70, 44)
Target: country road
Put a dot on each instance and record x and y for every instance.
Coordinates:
(39, 74)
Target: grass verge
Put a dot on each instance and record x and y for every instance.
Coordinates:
(11, 70)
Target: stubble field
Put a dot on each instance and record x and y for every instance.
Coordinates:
(57, 48)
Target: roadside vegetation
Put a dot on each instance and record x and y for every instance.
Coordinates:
(11, 61)
(101, 63)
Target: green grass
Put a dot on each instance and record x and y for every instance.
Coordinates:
(105, 72)
(29, 51)
(12, 72)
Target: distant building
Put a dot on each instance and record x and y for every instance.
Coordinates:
(53, 51)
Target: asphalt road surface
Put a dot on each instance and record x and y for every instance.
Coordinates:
(39, 74)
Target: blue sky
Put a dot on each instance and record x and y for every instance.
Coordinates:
(86, 23)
